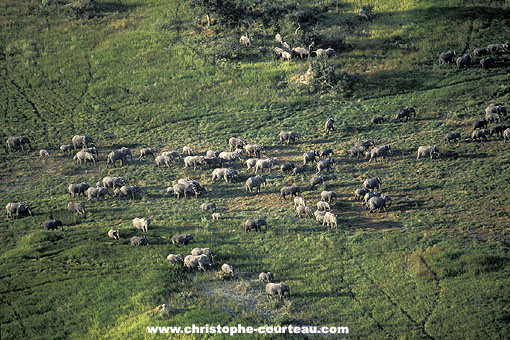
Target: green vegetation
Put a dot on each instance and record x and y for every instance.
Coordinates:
(151, 73)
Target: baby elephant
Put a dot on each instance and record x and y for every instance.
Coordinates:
(227, 270)
(208, 207)
(114, 234)
(427, 151)
(254, 223)
(182, 239)
(141, 223)
(266, 277)
(52, 225)
(175, 258)
(216, 216)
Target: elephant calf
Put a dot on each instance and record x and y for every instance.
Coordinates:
(266, 277)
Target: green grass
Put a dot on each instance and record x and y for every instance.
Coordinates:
(435, 265)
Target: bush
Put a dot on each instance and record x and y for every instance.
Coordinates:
(327, 78)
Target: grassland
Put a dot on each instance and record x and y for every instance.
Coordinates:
(435, 266)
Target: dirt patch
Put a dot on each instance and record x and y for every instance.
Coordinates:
(245, 294)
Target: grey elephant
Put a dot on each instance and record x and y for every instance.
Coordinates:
(330, 220)
(188, 150)
(66, 149)
(289, 191)
(182, 239)
(325, 164)
(378, 203)
(323, 206)
(326, 153)
(229, 157)
(287, 167)
(127, 191)
(262, 164)
(328, 126)
(382, 151)
(250, 163)
(480, 124)
(328, 196)
(446, 57)
(288, 136)
(236, 143)
(360, 193)
(463, 61)
(254, 150)
(372, 183)
(147, 152)
(254, 224)
(455, 136)
(85, 141)
(203, 251)
(266, 277)
(255, 182)
(163, 161)
(430, 150)
(226, 173)
(115, 156)
(310, 157)
(142, 224)
(277, 290)
(175, 258)
(53, 224)
(208, 207)
(77, 189)
(139, 241)
(304, 210)
(76, 207)
(184, 190)
(17, 142)
(197, 261)
(227, 270)
(506, 135)
(319, 216)
(18, 210)
(113, 182)
(369, 195)
(193, 161)
(82, 157)
(99, 193)
(480, 135)
(316, 181)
